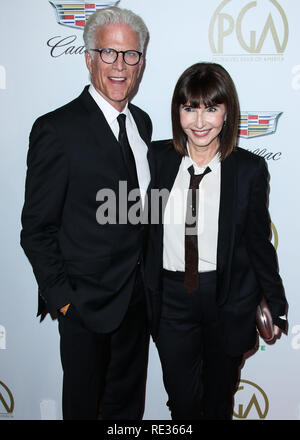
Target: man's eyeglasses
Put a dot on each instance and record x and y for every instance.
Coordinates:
(109, 56)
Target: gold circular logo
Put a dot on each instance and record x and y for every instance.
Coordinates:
(258, 400)
(223, 25)
(6, 399)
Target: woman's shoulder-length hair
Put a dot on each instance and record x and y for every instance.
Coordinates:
(208, 84)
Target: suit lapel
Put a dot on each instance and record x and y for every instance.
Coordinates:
(170, 167)
(104, 136)
(227, 216)
(140, 123)
(96, 120)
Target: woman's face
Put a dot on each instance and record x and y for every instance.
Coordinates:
(202, 125)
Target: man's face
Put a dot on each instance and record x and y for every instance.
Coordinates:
(114, 81)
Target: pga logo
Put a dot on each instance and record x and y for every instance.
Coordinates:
(255, 27)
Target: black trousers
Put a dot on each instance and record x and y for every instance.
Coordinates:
(105, 374)
(199, 377)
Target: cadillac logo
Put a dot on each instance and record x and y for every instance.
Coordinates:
(75, 13)
(253, 124)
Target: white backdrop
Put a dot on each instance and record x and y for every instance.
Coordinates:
(258, 43)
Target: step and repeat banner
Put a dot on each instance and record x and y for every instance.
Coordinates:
(42, 67)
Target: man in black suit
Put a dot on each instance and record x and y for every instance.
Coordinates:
(89, 270)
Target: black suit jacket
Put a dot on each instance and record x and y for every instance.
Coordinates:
(246, 259)
(72, 155)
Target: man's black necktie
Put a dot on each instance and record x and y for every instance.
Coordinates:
(191, 236)
(127, 151)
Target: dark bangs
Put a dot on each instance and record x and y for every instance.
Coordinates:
(202, 89)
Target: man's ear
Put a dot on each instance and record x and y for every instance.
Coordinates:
(141, 63)
(88, 60)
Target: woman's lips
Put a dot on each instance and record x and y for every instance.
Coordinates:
(200, 133)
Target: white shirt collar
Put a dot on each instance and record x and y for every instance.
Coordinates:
(213, 164)
(108, 110)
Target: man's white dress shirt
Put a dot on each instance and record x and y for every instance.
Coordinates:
(138, 146)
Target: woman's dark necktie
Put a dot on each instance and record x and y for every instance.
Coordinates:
(191, 236)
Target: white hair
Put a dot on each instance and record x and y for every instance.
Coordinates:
(114, 15)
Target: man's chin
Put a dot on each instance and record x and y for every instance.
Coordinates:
(118, 103)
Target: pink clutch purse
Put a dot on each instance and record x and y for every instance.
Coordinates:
(264, 321)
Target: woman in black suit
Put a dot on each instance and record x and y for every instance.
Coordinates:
(209, 260)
